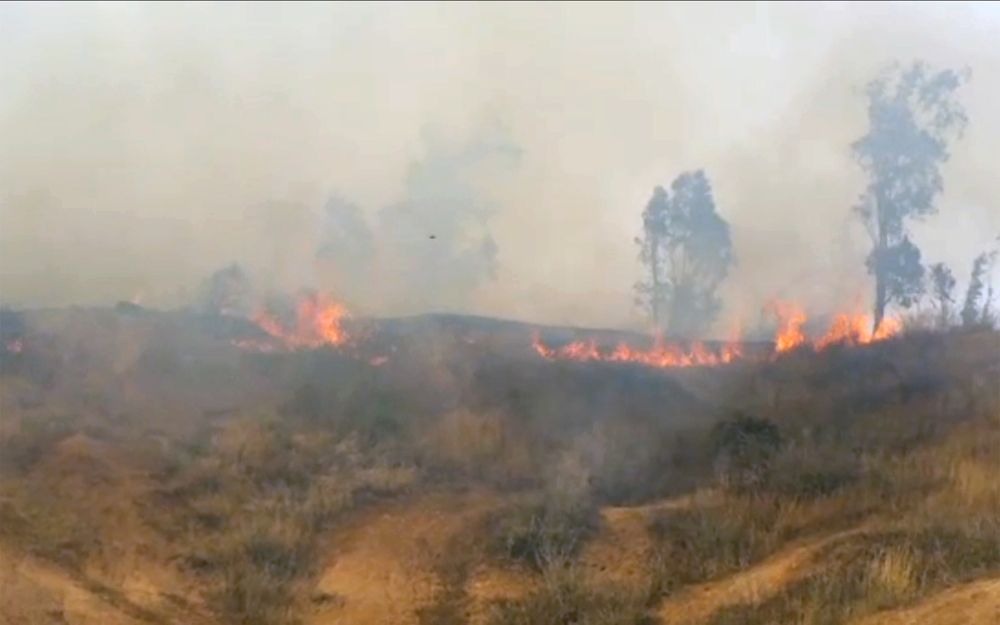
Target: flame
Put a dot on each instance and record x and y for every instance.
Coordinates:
(660, 355)
(846, 328)
(890, 327)
(855, 329)
(791, 318)
(318, 322)
(852, 329)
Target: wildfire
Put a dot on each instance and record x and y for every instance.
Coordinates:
(318, 322)
(851, 329)
(856, 329)
(791, 318)
(661, 354)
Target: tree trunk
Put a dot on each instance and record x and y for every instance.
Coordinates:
(880, 248)
(654, 295)
(879, 300)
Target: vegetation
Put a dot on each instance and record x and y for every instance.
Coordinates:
(686, 248)
(564, 597)
(544, 531)
(913, 114)
(140, 450)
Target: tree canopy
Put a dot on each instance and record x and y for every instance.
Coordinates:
(913, 114)
(686, 248)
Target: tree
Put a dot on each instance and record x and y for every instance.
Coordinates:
(974, 312)
(912, 115)
(226, 292)
(650, 294)
(688, 252)
(943, 286)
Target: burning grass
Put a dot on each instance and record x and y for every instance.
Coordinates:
(790, 335)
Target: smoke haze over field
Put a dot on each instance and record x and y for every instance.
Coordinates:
(144, 146)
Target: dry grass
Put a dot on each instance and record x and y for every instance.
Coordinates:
(565, 597)
(903, 436)
(946, 532)
(892, 575)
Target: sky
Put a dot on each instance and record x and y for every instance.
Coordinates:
(143, 146)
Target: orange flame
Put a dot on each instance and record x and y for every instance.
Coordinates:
(852, 329)
(318, 322)
(791, 318)
(855, 329)
(660, 355)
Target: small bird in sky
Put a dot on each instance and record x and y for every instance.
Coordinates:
(433, 236)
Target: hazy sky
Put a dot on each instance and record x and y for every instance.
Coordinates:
(144, 145)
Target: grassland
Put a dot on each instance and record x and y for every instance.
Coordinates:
(145, 481)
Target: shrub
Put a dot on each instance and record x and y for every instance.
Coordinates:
(744, 447)
(811, 473)
(706, 541)
(565, 598)
(541, 532)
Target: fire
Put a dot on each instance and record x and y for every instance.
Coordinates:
(791, 318)
(318, 322)
(851, 329)
(890, 327)
(14, 346)
(661, 354)
(856, 329)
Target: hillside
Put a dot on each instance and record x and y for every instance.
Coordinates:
(442, 472)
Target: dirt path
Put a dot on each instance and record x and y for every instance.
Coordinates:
(128, 579)
(976, 603)
(620, 554)
(386, 566)
(489, 584)
(756, 584)
(35, 593)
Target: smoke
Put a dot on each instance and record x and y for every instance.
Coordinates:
(143, 147)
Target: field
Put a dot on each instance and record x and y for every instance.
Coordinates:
(444, 473)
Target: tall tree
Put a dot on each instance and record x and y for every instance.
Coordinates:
(913, 114)
(687, 249)
(976, 308)
(943, 286)
(650, 292)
